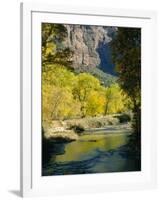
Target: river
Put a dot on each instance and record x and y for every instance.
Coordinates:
(93, 152)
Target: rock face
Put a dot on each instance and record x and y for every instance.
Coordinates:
(90, 45)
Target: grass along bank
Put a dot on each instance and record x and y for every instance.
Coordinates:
(70, 129)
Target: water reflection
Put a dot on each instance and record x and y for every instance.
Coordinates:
(87, 145)
(92, 153)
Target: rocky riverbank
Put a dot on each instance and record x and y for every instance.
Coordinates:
(70, 129)
(66, 135)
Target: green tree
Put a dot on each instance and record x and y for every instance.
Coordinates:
(126, 49)
(54, 75)
(52, 52)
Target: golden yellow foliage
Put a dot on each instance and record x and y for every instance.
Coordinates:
(114, 99)
(95, 104)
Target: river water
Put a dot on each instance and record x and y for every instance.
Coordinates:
(96, 152)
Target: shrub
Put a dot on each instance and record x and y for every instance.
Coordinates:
(124, 118)
(77, 128)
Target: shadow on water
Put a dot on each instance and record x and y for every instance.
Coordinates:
(51, 148)
(97, 153)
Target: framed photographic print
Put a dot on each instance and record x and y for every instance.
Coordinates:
(87, 99)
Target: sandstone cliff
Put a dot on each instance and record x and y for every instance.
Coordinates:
(90, 45)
